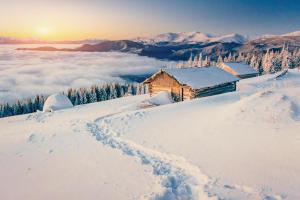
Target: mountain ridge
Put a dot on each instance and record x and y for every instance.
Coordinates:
(170, 37)
(192, 37)
(172, 46)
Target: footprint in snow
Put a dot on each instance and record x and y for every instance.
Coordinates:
(32, 138)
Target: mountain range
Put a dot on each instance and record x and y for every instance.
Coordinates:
(192, 38)
(180, 46)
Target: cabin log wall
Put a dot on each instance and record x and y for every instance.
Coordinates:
(164, 82)
(228, 87)
(247, 76)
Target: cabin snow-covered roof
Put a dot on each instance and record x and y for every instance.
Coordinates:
(240, 68)
(198, 78)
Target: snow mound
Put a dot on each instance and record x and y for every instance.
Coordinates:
(57, 102)
(268, 106)
(161, 98)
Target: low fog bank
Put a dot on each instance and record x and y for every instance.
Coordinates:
(24, 74)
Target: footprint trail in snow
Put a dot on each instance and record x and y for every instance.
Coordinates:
(180, 179)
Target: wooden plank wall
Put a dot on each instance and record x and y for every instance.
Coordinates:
(164, 82)
(228, 87)
(247, 76)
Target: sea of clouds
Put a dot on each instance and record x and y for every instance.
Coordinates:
(24, 74)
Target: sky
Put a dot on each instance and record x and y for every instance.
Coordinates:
(125, 19)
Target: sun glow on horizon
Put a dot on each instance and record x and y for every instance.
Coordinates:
(44, 32)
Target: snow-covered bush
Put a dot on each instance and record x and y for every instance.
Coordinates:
(161, 98)
(57, 102)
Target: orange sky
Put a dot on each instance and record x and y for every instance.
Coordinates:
(70, 20)
(125, 19)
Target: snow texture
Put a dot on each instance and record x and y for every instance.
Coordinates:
(240, 68)
(161, 98)
(57, 102)
(295, 33)
(201, 77)
(238, 146)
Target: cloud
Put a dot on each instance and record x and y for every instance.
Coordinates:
(27, 73)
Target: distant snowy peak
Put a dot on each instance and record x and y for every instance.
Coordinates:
(292, 34)
(236, 38)
(296, 33)
(176, 37)
(192, 37)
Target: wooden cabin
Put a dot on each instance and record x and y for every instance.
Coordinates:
(239, 69)
(189, 83)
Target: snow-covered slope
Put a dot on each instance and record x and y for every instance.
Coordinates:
(239, 145)
(192, 37)
(53, 156)
(291, 34)
(295, 33)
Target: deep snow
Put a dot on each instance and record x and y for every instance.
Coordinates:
(201, 77)
(240, 68)
(240, 145)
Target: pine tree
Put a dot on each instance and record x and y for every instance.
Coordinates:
(206, 62)
(195, 61)
(93, 95)
(103, 94)
(190, 61)
(38, 103)
(230, 58)
(200, 61)
(77, 99)
(220, 60)
(285, 58)
(240, 57)
(267, 62)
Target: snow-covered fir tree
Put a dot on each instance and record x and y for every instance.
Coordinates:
(200, 60)
(190, 61)
(76, 96)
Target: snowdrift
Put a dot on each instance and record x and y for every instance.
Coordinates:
(161, 98)
(57, 102)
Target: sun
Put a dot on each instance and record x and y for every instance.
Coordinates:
(43, 31)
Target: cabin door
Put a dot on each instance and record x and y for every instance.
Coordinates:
(182, 96)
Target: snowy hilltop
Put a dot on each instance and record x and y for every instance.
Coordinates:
(180, 46)
(193, 37)
(238, 145)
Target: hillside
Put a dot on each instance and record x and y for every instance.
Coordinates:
(192, 38)
(180, 46)
(124, 149)
(271, 42)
